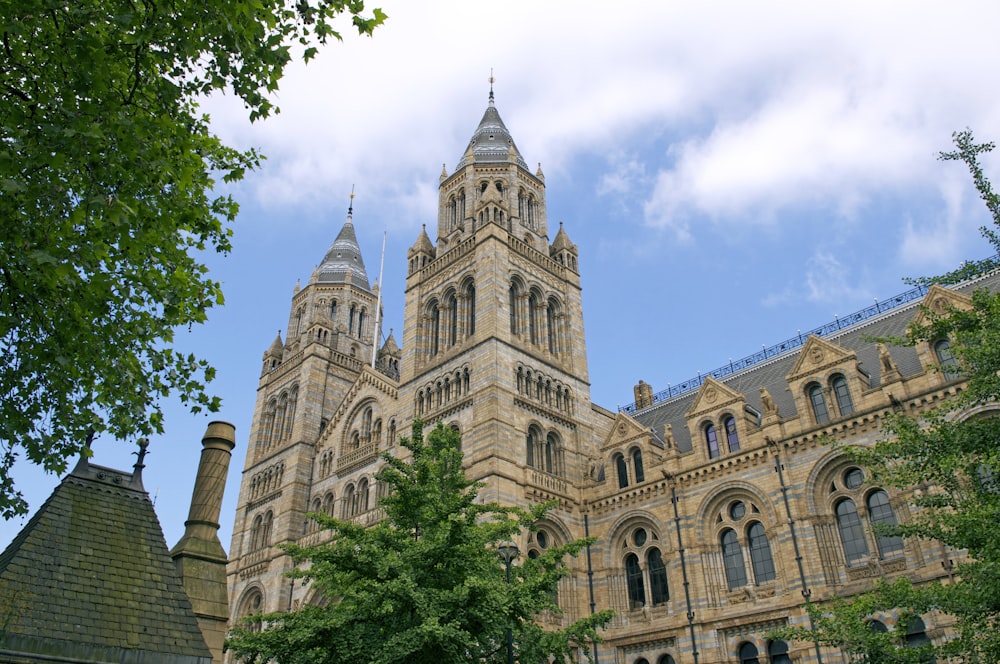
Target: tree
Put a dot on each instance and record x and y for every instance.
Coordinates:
(107, 177)
(952, 457)
(425, 584)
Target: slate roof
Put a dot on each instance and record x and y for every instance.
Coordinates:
(89, 579)
(771, 373)
(491, 142)
(343, 262)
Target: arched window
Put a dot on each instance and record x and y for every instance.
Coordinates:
(435, 329)
(818, 401)
(532, 316)
(633, 579)
(328, 504)
(640, 475)
(350, 319)
(852, 534)
(347, 507)
(361, 322)
(659, 591)
(622, 468)
(916, 634)
(553, 454)
(665, 659)
(252, 604)
(333, 310)
(732, 557)
(712, 441)
(880, 512)
(453, 315)
(843, 396)
(760, 553)
(777, 652)
(530, 452)
(732, 437)
(946, 359)
(362, 496)
(748, 654)
(470, 309)
(514, 297)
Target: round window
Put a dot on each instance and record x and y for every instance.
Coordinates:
(737, 510)
(542, 538)
(853, 478)
(639, 536)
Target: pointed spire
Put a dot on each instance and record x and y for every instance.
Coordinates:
(491, 142)
(343, 262)
(562, 241)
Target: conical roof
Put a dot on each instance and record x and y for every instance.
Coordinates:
(343, 262)
(562, 241)
(423, 243)
(390, 347)
(491, 142)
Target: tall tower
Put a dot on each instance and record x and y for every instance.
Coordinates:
(330, 336)
(493, 339)
(493, 345)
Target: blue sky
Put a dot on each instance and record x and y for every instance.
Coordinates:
(731, 173)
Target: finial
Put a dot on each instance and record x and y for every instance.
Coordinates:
(350, 206)
(141, 455)
(491, 84)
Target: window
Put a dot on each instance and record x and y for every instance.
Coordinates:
(640, 475)
(532, 316)
(453, 326)
(470, 308)
(665, 659)
(843, 396)
(646, 585)
(551, 453)
(732, 557)
(777, 652)
(748, 654)
(946, 359)
(760, 553)
(857, 536)
(880, 512)
(732, 437)
(622, 468)
(852, 535)
(712, 441)
(657, 577)
(818, 401)
(633, 579)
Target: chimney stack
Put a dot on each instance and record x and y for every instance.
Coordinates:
(199, 556)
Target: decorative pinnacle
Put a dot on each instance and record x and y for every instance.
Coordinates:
(350, 206)
(140, 457)
(491, 84)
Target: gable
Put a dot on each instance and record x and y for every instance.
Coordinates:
(938, 301)
(623, 430)
(818, 354)
(712, 396)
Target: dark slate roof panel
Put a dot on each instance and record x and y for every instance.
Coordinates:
(90, 577)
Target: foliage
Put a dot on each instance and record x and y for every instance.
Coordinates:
(426, 583)
(948, 462)
(107, 171)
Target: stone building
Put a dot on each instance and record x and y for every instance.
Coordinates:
(719, 504)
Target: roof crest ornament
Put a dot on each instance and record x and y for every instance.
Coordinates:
(491, 85)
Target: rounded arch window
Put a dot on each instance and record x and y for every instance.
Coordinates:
(748, 654)
(645, 568)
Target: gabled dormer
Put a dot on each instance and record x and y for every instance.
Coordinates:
(630, 451)
(825, 382)
(717, 420)
(935, 353)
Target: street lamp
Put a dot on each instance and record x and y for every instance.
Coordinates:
(508, 554)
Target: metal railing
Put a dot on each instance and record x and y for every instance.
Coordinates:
(768, 352)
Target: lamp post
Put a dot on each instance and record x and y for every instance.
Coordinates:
(508, 554)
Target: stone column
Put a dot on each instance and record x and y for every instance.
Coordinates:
(199, 556)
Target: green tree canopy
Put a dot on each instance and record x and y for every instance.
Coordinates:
(107, 176)
(425, 585)
(951, 456)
